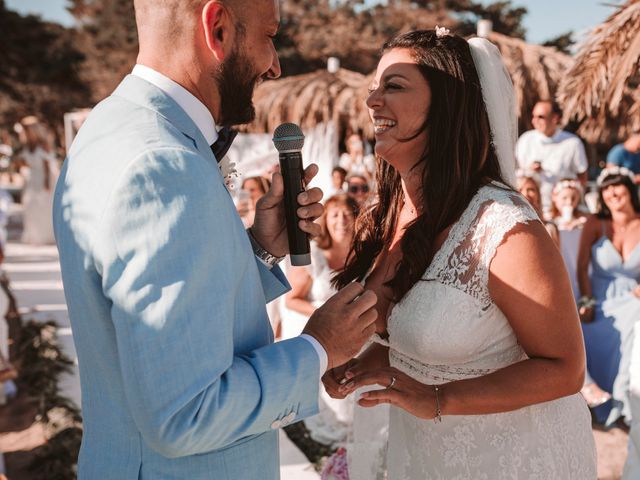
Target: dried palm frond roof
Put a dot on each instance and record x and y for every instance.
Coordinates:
(310, 99)
(601, 89)
(536, 72)
(321, 96)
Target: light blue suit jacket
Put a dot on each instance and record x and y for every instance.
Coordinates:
(180, 377)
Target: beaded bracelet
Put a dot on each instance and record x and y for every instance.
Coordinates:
(438, 417)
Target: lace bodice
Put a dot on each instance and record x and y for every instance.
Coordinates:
(447, 328)
(429, 328)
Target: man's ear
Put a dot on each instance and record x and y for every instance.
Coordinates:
(216, 22)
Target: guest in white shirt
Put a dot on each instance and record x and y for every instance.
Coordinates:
(338, 177)
(550, 151)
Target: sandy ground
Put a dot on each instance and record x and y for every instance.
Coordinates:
(35, 280)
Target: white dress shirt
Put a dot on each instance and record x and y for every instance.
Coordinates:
(205, 122)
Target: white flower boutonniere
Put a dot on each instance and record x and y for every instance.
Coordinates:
(228, 172)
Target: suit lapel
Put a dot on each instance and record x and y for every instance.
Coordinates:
(140, 92)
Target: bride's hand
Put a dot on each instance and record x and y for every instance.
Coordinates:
(373, 358)
(399, 389)
(333, 379)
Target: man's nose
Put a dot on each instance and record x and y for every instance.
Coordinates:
(274, 69)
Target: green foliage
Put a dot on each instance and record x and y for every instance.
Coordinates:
(108, 38)
(52, 461)
(41, 362)
(312, 30)
(562, 42)
(39, 68)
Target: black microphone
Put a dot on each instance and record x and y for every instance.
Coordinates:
(288, 139)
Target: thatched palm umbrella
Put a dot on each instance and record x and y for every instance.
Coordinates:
(312, 98)
(322, 96)
(536, 72)
(601, 89)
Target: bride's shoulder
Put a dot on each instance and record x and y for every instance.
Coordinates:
(500, 201)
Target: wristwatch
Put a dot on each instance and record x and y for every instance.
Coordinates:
(261, 253)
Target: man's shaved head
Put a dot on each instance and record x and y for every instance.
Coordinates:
(171, 19)
(165, 18)
(219, 50)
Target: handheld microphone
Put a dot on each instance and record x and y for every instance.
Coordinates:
(288, 139)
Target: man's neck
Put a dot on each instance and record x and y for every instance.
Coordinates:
(189, 77)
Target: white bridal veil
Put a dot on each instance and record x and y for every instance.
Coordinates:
(500, 99)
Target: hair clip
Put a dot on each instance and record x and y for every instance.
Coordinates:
(442, 31)
(615, 170)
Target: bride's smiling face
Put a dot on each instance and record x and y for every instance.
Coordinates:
(399, 100)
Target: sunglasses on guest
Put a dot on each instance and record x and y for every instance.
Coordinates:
(543, 117)
(358, 188)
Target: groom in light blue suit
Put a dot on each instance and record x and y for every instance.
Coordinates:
(166, 290)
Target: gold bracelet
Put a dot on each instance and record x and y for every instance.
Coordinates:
(438, 417)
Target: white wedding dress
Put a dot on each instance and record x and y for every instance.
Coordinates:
(36, 199)
(447, 328)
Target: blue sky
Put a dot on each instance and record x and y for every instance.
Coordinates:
(546, 18)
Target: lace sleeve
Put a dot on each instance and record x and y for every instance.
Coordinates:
(500, 218)
(464, 260)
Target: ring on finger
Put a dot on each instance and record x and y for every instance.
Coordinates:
(391, 383)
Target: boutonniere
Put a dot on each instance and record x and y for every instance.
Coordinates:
(228, 172)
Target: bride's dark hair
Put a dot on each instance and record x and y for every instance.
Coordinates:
(458, 159)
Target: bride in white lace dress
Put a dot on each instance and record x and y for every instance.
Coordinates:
(480, 351)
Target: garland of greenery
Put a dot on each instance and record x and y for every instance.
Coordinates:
(41, 362)
(316, 452)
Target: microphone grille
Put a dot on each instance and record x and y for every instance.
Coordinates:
(288, 136)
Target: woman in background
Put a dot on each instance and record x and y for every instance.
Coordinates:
(610, 302)
(529, 188)
(39, 166)
(310, 288)
(252, 189)
(566, 196)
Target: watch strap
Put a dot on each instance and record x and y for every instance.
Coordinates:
(261, 253)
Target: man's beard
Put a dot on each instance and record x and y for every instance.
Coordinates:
(236, 81)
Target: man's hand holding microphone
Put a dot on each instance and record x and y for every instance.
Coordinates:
(284, 220)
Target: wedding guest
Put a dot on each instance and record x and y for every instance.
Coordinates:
(358, 188)
(310, 288)
(338, 177)
(566, 196)
(551, 152)
(7, 372)
(609, 305)
(257, 187)
(627, 155)
(477, 326)
(529, 188)
(38, 164)
(252, 189)
(6, 152)
(355, 161)
(632, 465)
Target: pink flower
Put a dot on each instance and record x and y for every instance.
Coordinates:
(336, 467)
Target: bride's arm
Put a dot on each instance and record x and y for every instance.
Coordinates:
(529, 283)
